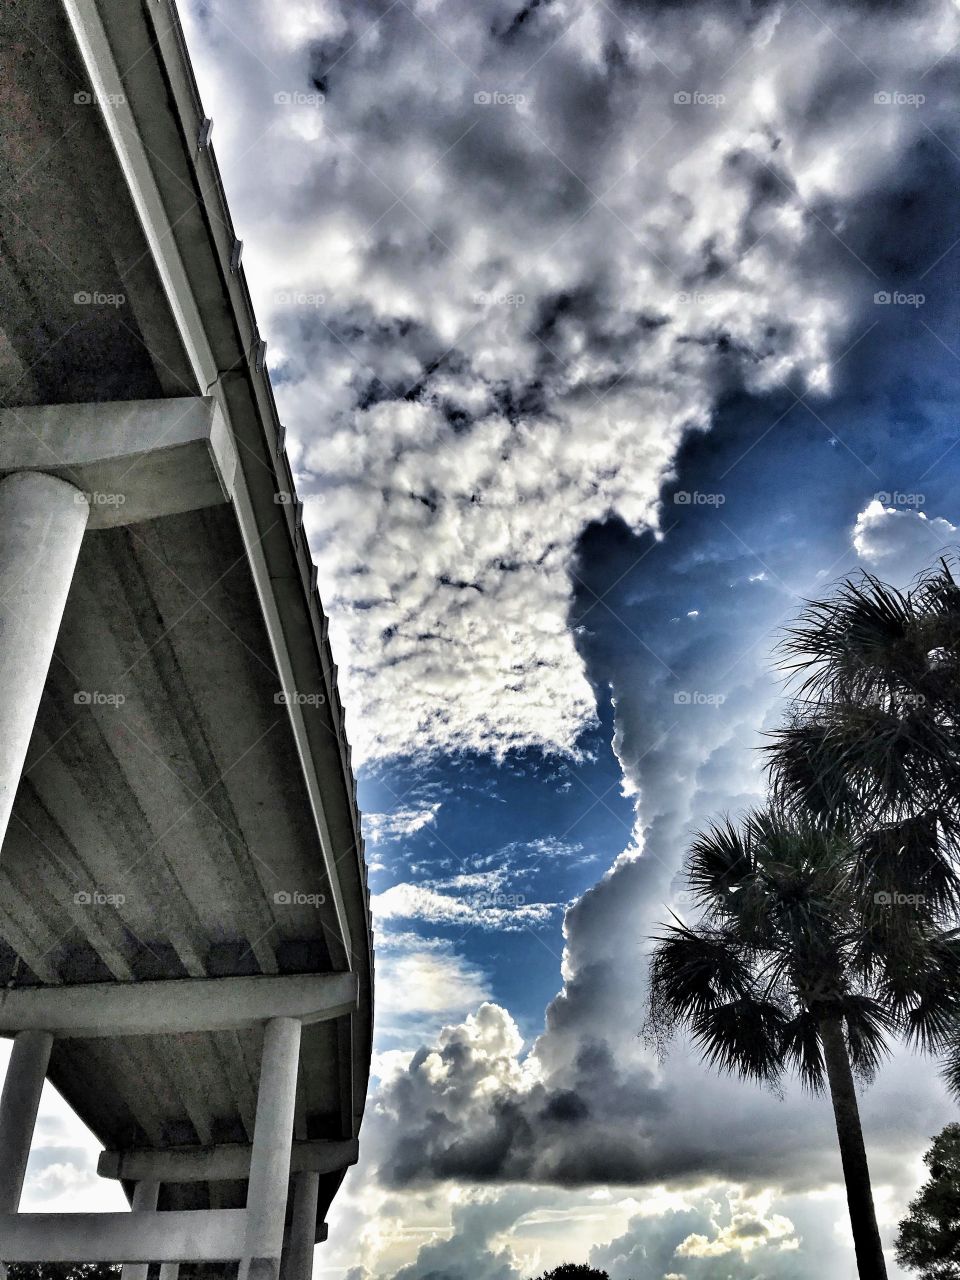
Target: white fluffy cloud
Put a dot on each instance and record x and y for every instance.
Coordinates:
(385, 828)
(481, 899)
(897, 542)
(495, 317)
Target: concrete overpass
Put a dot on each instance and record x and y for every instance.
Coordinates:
(185, 944)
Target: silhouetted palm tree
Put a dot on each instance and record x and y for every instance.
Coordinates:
(875, 739)
(804, 961)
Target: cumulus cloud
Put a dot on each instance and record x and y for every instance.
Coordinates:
(897, 542)
(478, 899)
(506, 261)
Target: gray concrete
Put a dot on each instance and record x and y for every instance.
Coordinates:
(272, 1143)
(42, 520)
(135, 459)
(224, 1163)
(145, 1196)
(107, 1009)
(200, 1235)
(189, 813)
(296, 1262)
(19, 1101)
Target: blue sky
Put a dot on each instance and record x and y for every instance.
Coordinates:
(604, 335)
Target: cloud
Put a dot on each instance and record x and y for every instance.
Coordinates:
(507, 262)
(420, 977)
(385, 828)
(897, 542)
(480, 899)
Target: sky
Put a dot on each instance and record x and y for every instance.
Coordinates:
(604, 335)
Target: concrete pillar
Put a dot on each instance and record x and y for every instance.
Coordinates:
(297, 1260)
(145, 1197)
(42, 520)
(18, 1111)
(169, 1270)
(272, 1144)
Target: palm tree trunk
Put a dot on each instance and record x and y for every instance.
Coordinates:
(853, 1154)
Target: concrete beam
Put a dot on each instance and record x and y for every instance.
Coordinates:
(272, 1146)
(224, 1163)
(134, 459)
(19, 1101)
(190, 1235)
(41, 527)
(182, 1004)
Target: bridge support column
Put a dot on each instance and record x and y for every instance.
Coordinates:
(272, 1145)
(18, 1111)
(145, 1197)
(297, 1260)
(42, 519)
(169, 1270)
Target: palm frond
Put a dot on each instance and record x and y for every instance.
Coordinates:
(743, 1037)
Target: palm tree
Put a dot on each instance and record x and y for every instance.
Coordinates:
(873, 742)
(804, 961)
(876, 733)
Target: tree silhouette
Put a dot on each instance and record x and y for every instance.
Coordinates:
(929, 1237)
(574, 1271)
